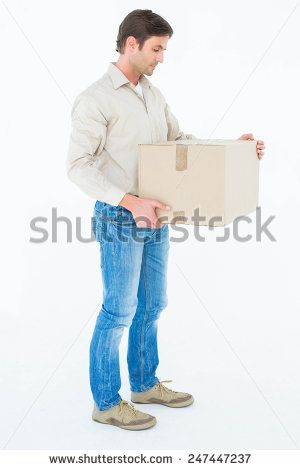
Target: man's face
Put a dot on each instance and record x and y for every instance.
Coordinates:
(152, 52)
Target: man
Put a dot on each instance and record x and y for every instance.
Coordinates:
(110, 118)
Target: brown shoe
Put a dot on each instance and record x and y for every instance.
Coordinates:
(163, 395)
(125, 416)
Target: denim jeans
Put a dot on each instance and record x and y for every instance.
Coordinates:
(133, 263)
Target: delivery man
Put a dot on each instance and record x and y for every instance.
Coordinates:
(109, 119)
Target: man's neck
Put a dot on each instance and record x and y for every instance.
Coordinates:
(130, 73)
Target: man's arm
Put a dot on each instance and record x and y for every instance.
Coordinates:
(174, 132)
(88, 135)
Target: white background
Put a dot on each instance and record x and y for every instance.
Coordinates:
(230, 334)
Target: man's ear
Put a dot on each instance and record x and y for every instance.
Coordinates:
(131, 43)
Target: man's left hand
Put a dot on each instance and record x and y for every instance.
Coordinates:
(260, 146)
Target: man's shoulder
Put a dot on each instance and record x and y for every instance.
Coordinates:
(97, 90)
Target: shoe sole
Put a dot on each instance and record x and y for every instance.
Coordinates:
(135, 427)
(171, 405)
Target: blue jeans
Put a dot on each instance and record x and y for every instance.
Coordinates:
(133, 263)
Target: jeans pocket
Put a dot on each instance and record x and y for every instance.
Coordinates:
(123, 223)
(122, 219)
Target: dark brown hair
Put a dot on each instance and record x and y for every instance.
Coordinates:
(142, 24)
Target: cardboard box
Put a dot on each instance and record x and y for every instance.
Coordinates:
(214, 180)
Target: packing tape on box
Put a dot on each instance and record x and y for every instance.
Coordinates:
(181, 157)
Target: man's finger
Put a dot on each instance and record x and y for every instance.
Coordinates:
(247, 136)
(161, 205)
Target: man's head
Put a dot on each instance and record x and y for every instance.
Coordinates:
(142, 38)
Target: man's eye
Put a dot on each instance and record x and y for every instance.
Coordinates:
(156, 50)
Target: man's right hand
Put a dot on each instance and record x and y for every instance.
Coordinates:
(143, 210)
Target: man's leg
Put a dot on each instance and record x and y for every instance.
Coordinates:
(142, 356)
(120, 264)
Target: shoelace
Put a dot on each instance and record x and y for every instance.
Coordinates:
(163, 389)
(126, 407)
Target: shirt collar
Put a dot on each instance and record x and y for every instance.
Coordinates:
(118, 78)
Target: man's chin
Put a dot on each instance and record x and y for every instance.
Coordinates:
(149, 71)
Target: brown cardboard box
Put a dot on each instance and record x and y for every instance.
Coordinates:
(219, 177)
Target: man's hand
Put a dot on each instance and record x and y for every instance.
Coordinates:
(143, 210)
(260, 146)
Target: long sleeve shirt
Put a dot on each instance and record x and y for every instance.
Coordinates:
(109, 119)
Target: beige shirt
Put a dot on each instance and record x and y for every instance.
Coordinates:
(109, 120)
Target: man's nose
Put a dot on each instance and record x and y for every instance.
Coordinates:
(160, 57)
